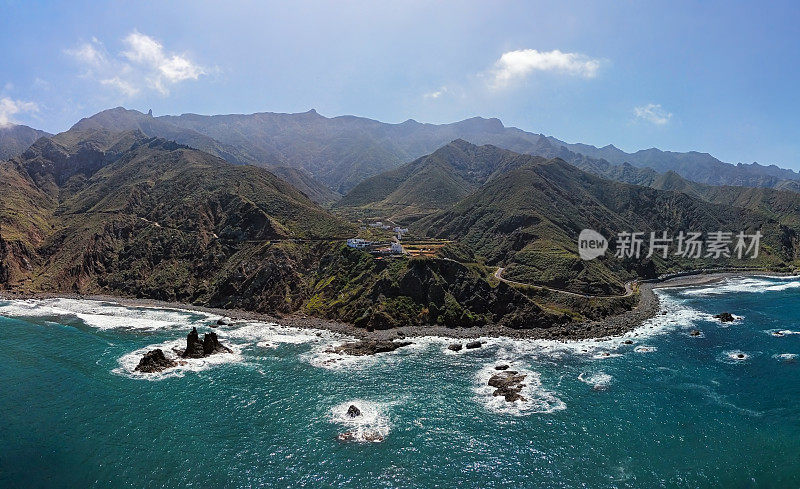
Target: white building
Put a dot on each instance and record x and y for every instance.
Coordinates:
(397, 248)
(358, 243)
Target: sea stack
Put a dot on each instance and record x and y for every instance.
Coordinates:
(154, 361)
(199, 349)
(212, 345)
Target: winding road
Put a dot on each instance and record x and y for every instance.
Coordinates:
(628, 288)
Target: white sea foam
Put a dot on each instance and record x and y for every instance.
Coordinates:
(254, 332)
(645, 349)
(128, 362)
(323, 356)
(105, 315)
(537, 398)
(786, 357)
(599, 381)
(754, 284)
(781, 332)
(734, 356)
(372, 425)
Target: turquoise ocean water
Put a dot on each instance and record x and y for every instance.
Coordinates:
(670, 410)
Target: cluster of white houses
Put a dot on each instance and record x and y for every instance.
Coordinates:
(376, 247)
(397, 229)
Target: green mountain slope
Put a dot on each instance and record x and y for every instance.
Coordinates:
(121, 208)
(434, 182)
(313, 188)
(528, 220)
(123, 213)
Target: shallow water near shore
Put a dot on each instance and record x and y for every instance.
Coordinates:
(668, 409)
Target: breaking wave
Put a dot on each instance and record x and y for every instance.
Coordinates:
(371, 425)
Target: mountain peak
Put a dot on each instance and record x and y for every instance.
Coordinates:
(482, 124)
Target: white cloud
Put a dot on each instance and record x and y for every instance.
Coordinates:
(517, 65)
(653, 113)
(9, 107)
(436, 93)
(164, 68)
(126, 88)
(90, 54)
(145, 63)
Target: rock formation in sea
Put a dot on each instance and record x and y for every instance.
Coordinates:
(199, 349)
(508, 384)
(212, 345)
(725, 317)
(474, 344)
(368, 347)
(353, 411)
(154, 361)
(455, 347)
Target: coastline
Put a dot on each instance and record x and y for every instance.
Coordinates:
(647, 307)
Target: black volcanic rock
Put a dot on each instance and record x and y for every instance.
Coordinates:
(154, 361)
(199, 349)
(455, 347)
(725, 317)
(474, 344)
(368, 347)
(353, 411)
(212, 345)
(194, 347)
(508, 384)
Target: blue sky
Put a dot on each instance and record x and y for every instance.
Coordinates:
(711, 76)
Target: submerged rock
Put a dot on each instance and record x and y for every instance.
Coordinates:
(474, 344)
(695, 332)
(501, 367)
(154, 361)
(508, 384)
(199, 349)
(725, 317)
(353, 411)
(455, 347)
(222, 322)
(628, 342)
(371, 436)
(368, 347)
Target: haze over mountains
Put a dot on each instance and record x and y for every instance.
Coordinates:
(342, 151)
(14, 139)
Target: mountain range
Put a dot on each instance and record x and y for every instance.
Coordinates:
(199, 216)
(342, 151)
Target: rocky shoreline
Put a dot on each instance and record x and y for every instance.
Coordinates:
(647, 308)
